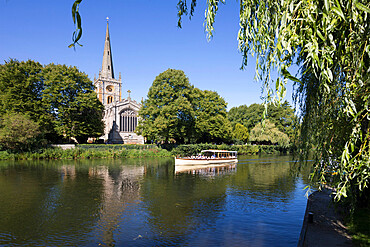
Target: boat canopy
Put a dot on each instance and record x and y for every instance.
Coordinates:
(219, 153)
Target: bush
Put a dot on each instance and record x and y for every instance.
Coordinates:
(194, 149)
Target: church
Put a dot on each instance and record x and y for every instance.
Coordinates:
(120, 115)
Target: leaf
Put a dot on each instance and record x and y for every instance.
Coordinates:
(362, 7)
(287, 75)
(339, 11)
(320, 35)
(326, 2)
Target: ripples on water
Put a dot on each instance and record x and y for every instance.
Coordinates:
(147, 202)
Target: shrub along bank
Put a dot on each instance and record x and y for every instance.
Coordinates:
(193, 149)
(93, 151)
(89, 152)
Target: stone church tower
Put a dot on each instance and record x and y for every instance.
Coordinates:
(108, 88)
(120, 115)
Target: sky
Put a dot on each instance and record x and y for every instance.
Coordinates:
(145, 41)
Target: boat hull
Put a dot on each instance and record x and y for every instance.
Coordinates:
(189, 161)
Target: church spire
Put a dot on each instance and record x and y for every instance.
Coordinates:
(107, 65)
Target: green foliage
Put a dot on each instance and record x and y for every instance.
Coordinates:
(71, 99)
(60, 99)
(21, 86)
(281, 115)
(268, 134)
(246, 116)
(175, 111)
(194, 149)
(210, 117)
(109, 151)
(359, 227)
(241, 132)
(18, 132)
(167, 112)
(117, 146)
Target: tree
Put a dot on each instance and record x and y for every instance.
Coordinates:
(281, 115)
(241, 132)
(210, 117)
(167, 113)
(18, 132)
(176, 111)
(269, 134)
(59, 99)
(246, 116)
(70, 98)
(21, 86)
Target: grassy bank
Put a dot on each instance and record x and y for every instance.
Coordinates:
(89, 152)
(359, 227)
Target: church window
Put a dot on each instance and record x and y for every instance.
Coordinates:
(110, 99)
(128, 121)
(108, 67)
(108, 52)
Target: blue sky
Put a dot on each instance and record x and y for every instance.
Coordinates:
(145, 41)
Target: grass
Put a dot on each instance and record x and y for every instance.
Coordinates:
(359, 227)
(85, 153)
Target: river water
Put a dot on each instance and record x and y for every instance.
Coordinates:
(145, 202)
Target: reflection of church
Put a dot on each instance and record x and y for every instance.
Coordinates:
(120, 115)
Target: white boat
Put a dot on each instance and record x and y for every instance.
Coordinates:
(208, 157)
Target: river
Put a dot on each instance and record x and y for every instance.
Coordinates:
(145, 202)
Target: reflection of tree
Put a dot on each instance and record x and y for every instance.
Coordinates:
(43, 204)
(266, 178)
(179, 204)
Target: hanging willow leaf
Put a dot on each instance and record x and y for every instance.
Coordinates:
(362, 7)
(77, 34)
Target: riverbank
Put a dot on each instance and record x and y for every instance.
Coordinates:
(91, 151)
(325, 226)
(83, 152)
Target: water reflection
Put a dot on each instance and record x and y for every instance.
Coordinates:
(121, 186)
(207, 170)
(151, 202)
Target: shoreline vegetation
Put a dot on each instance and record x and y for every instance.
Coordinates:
(115, 151)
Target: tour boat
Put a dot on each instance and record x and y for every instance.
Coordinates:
(208, 157)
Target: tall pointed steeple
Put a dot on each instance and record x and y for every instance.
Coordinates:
(107, 65)
(107, 87)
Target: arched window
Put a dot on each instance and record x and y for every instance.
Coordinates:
(108, 67)
(110, 99)
(128, 121)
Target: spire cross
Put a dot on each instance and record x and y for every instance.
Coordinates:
(107, 18)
